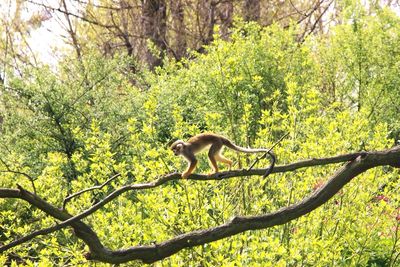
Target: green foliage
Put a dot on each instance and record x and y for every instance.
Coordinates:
(230, 78)
(359, 63)
(76, 128)
(53, 113)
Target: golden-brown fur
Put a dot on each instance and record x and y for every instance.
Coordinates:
(197, 143)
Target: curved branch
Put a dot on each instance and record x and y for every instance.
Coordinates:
(30, 178)
(68, 198)
(272, 155)
(82, 230)
(359, 162)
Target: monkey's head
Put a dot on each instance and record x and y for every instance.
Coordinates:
(177, 147)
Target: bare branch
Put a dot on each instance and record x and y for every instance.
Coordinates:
(340, 178)
(269, 170)
(68, 198)
(72, 14)
(297, 10)
(30, 178)
(318, 19)
(126, 6)
(82, 230)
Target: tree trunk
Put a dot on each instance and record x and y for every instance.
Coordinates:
(251, 10)
(154, 29)
(225, 16)
(179, 29)
(206, 17)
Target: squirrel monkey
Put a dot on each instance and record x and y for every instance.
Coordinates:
(197, 143)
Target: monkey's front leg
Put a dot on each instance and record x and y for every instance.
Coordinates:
(190, 169)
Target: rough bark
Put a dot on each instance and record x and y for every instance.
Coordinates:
(206, 18)
(178, 27)
(251, 10)
(154, 29)
(225, 15)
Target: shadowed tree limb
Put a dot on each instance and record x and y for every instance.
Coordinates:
(357, 164)
(82, 230)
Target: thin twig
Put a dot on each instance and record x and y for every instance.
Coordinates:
(30, 178)
(267, 152)
(68, 198)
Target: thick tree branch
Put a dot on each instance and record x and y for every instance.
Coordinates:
(82, 230)
(358, 163)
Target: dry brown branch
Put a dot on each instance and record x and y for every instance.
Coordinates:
(357, 163)
(30, 178)
(83, 18)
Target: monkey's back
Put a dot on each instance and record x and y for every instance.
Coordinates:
(200, 141)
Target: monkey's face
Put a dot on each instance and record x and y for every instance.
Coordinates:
(177, 147)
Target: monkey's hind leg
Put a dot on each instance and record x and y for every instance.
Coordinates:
(222, 159)
(212, 155)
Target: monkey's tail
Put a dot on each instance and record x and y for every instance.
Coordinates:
(271, 167)
(231, 145)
